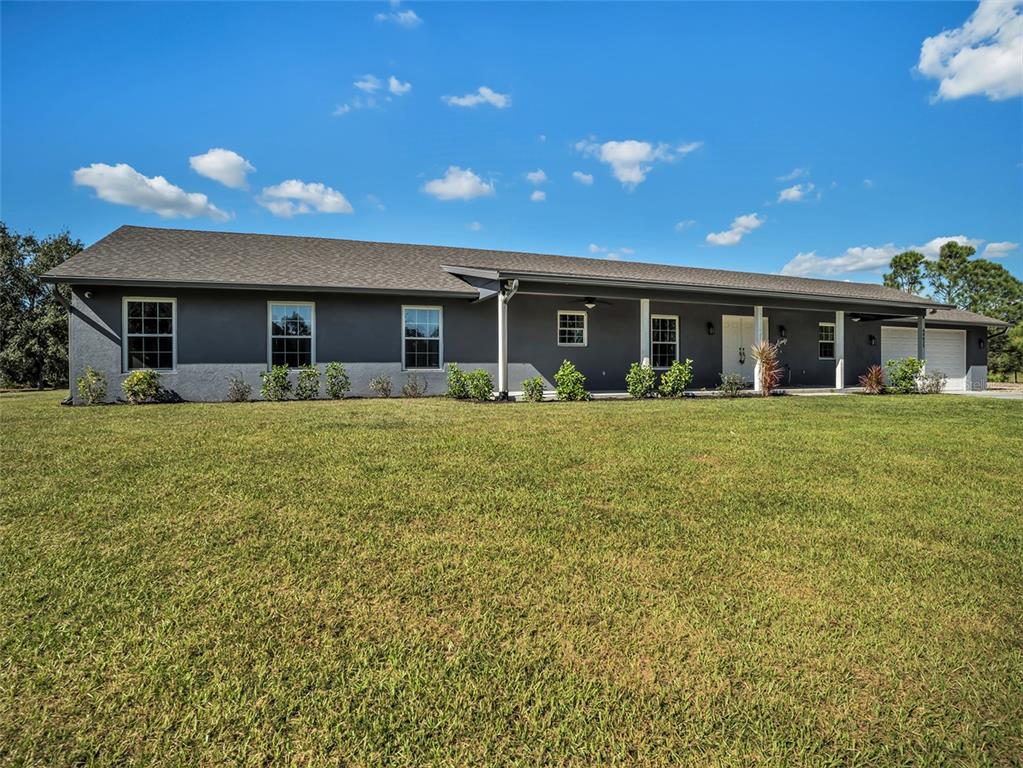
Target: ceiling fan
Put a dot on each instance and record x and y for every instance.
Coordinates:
(590, 302)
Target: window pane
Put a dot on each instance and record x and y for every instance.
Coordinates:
(134, 309)
(134, 324)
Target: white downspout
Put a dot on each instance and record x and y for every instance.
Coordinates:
(839, 349)
(758, 336)
(644, 332)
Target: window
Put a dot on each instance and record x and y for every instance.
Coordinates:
(292, 333)
(149, 334)
(421, 338)
(571, 329)
(826, 341)
(663, 340)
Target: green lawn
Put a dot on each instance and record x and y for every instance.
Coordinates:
(793, 581)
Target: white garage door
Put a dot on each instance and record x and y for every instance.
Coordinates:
(946, 351)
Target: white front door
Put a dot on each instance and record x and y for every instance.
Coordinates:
(736, 342)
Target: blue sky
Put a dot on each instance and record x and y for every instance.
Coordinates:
(665, 132)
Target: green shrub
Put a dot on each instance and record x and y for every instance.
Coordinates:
(308, 385)
(640, 381)
(92, 387)
(903, 373)
(532, 389)
(414, 386)
(479, 385)
(380, 386)
(873, 380)
(675, 380)
(141, 386)
(569, 383)
(338, 383)
(731, 384)
(276, 383)
(932, 383)
(458, 387)
(238, 390)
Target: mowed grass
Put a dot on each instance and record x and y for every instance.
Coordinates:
(793, 581)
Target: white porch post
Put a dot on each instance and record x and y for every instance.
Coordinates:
(921, 340)
(839, 349)
(502, 345)
(758, 336)
(644, 331)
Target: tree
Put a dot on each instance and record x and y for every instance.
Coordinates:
(33, 323)
(906, 272)
(947, 275)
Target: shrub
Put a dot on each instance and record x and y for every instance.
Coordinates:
(238, 390)
(479, 385)
(141, 386)
(873, 380)
(414, 386)
(769, 358)
(92, 386)
(640, 381)
(308, 386)
(902, 374)
(458, 387)
(675, 380)
(276, 383)
(731, 384)
(532, 389)
(932, 383)
(380, 386)
(338, 383)
(569, 383)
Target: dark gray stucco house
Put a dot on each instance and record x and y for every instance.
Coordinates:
(201, 306)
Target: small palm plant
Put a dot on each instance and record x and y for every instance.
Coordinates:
(873, 380)
(770, 369)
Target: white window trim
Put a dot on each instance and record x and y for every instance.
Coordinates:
(440, 331)
(124, 331)
(586, 324)
(678, 334)
(270, 330)
(833, 341)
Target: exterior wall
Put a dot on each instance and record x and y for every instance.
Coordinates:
(224, 332)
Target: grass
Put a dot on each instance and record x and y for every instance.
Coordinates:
(791, 581)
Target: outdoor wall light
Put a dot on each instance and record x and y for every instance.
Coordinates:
(872, 340)
(710, 329)
(782, 332)
(589, 304)
(982, 342)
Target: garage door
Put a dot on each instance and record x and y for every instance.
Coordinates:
(946, 351)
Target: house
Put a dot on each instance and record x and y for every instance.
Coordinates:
(202, 306)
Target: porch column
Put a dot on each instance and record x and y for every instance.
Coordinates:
(839, 349)
(921, 340)
(644, 331)
(502, 345)
(758, 336)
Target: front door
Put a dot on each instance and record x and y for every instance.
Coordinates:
(736, 342)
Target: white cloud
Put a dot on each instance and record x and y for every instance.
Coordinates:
(537, 176)
(741, 226)
(376, 202)
(681, 226)
(474, 226)
(458, 184)
(123, 185)
(223, 165)
(293, 196)
(538, 196)
(998, 250)
(627, 251)
(632, 160)
(983, 56)
(867, 183)
(483, 95)
(865, 258)
(586, 179)
(407, 19)
(342, 109)
(795, 193)
(368, 83)
(359, 102)
(398, 88)
(795, 173)
(542, 138)
(609, 254)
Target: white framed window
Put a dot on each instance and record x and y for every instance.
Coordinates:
(663, 340)
(291, 333)
(422, 338)
(150, 338)
(826, 341)
(571, 329)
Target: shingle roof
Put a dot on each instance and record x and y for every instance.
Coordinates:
(176, 256)
(962, 317)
